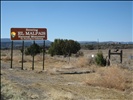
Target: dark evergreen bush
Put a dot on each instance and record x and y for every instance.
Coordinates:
(33, 50)
(100, 60)
(64, 47)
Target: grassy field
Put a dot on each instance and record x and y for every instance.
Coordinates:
(64, 78)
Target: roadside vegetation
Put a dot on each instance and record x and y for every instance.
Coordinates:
(64, 47)
(10, 92)
(112, 77)
(69, 55)
(100, 60)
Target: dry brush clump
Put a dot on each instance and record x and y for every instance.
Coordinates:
(83, 62)
(10, 92)
(111, 77)
(6, 58)
(3, 54)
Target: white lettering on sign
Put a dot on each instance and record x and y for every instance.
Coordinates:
(31, 33)
(23, 36)
(41, 33)
(31, 29)
(38, 36)
(20, 33)
(36, 33)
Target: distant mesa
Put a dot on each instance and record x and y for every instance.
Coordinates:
(6, 43)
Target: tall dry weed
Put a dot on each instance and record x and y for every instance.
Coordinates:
(10, 92)
(83, 62)
(110, 77)
(80, 62)
(6, 58)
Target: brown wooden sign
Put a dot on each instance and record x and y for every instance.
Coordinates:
(28, 34)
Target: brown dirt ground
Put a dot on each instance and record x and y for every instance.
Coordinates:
(48, 84)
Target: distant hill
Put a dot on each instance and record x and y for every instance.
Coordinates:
(87, 42)
(104, 42)
(6, 43)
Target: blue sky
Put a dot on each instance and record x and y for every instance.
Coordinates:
(77, 20)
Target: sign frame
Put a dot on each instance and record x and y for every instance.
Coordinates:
(28, 34)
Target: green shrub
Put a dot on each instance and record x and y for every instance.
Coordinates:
(33, 50)
(64, 47)
(100, 60)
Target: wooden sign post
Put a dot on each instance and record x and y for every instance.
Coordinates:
(115, 53)
(43, 53)
(22, 53)
(11, 53)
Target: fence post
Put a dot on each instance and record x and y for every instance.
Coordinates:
(22, 53)
(109, 54)
(121, 56)
(33, 57)
(43, 53)
(11, 53)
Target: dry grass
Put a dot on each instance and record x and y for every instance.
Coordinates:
(6, 58)
(82, 62)
(61, 95)
(9, 91)
(55, 86)
(111, 77)
(3, 54)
